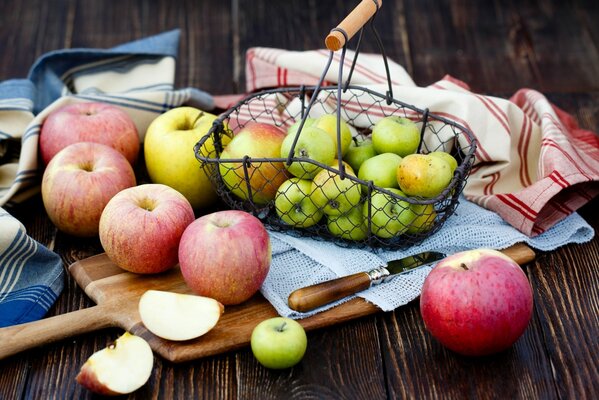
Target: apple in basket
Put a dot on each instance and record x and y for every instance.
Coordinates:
(328, 123)
(358, 152)
(169, 153)
(225, 255)
(256, 140)
(394, 134)
(334, 195)
(89, 122)
(476, 302)
(423, 175)
(381, 170)
(390, 216)
(78, 183)
(313, 144)
(140, 227)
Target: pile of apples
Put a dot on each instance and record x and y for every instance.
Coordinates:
(382, 171)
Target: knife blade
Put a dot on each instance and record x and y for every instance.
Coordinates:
(311, 297)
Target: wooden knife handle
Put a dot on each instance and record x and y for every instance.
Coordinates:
(311, 297)
(354, 21)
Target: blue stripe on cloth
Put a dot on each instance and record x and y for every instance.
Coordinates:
(17, 89)
(19, 312)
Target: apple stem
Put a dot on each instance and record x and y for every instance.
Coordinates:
(464, 266)
(197, 118)
(282, 327)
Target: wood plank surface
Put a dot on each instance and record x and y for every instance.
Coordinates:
(496, 47)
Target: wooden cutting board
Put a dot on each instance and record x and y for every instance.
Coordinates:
(117, 292)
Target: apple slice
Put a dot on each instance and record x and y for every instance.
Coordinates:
(121, 368)
(176, 316)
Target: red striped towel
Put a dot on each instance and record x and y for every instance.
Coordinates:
(534, 164)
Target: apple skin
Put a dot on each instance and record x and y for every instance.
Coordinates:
(333, 195)
(169, 156)
(351, 225)
(225, 255)
(78, 183)
(425, 219)
(292, 130)
(256, 140)
(294, 205)
(359, 152)
(397, 135)
(423, 175)
(140, 227)
(389, 216)
(328, 123)
(477, 302)
(453, 163)
(279, 343)
(89, 122)
(381, 170)
(314, 144)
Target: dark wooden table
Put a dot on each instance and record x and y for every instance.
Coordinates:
(497, 47)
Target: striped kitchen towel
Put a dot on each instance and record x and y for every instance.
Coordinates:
(534, 164)
(138, 77)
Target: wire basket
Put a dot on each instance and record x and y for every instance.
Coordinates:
(327, 200)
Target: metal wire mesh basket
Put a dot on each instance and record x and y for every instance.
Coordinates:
(301, 195)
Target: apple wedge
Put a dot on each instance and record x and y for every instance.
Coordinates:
(121, 368)
(176, 316)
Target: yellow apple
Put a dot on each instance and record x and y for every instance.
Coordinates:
(423, 175)
(425, 218)
(169, 153)
(328, 123)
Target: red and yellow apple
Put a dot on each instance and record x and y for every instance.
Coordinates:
(78, 183)
(225, 255)
(476, 302)
(423, 175)
(140, 227)
(89, 122)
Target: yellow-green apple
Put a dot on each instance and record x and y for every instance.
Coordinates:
(121, 368)
(423, 175)
(278, 342)
(294, 205)
(397, 135)
(425, 218)
(453, 163)
(141, 226)
(351, 225)
(334, 195)
(381, 170)
(358, 152)
(328, 123)
(259, 141)
(477, 302)
(313, 144)
(89, 122)
(177, 316)
(292, 130)
(169, 153)
(78, 183)
(225, 255)
(390, 216)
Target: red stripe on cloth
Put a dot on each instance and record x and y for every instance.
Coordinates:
(285, 77)
(367, 72)
(456, 82)
(481, 153)
(523, 142)
(551, 143)
(522, 211)
(556, 177)
(488, 189)
(249, 60)
(496, 111)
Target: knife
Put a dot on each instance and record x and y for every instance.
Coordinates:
(311, 297)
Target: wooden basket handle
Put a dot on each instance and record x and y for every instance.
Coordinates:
(354, 21)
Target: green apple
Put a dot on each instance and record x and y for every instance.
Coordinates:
(425, 218)
(294, 205)
(453, 163)
(351, 225)
(397, 135)
(334, 195)
(169, 155)
(389, 215)
(381, 170)
(279, 342)
(328, 123)
(292, 130)
(423, 175)
(359, 152)
(314, 144)
(256, 140)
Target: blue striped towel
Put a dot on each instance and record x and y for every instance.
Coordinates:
(138, 77)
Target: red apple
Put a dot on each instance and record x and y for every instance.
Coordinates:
(78, 183)
(256, 140)
(225, 255)
(89, 122)
(476, 302)
(140, 227)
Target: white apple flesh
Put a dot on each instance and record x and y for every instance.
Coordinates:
(176, 316)
(121, 368)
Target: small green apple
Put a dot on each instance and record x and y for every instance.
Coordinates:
(381, 170)
(292, 130)
(359, 152)
(334, 195)
(423, 175)
(294, 205)
(328, 123)
(389, 215)
(351, 225)
(169, 156)
(279, 342)
(314, 144)
(425, 218)
(453, 163)
(397, 135)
